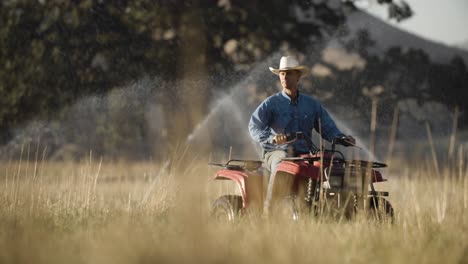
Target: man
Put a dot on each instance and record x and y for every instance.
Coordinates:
(289, 112)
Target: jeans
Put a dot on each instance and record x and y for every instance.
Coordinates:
(272, 159)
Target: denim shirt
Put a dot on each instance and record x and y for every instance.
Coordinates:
(278, 114)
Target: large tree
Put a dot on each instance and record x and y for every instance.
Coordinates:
(54, 52)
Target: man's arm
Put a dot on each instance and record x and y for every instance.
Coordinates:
(259, 125)
(326, 125)
(329, 129)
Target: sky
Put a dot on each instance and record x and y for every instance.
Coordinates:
(444, 21)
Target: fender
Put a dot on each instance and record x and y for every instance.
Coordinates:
(377, 176)
(301, 169)
(304, 169)
(307, 170)
(238, 177)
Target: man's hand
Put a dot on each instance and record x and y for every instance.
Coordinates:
(347, 141)
(280, 139)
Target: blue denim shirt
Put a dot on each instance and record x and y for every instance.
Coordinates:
(279, 115)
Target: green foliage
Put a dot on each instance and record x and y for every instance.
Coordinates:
(58, 51)
(54, 52)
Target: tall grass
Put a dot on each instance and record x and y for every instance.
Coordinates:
(119, 212)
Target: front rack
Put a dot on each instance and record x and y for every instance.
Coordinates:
(347, 163)
(236, 164)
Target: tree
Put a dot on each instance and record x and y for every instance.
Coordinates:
(54, 52)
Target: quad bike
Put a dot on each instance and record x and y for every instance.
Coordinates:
(319, 184)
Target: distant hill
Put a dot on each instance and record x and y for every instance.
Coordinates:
(387, 36)
(463, 45)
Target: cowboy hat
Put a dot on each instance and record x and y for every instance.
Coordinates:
(288, 63)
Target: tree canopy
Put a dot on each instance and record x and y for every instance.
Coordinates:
(55, 52)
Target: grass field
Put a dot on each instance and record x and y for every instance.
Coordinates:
(121, 212)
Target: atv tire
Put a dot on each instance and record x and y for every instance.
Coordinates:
(227, 208)
(286, 209)
(381, 210)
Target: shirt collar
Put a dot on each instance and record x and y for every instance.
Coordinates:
(291, 102)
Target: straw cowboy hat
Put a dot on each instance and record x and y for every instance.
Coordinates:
(288, 63)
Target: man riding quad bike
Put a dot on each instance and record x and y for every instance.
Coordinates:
(288, 112)
(292, 113)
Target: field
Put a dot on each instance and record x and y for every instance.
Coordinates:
(128, 212)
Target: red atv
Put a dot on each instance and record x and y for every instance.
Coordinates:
(321, 183)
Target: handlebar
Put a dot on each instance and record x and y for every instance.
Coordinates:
(343, 141)
(290, 138)
(355, 163)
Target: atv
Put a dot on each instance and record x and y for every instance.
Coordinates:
(321, 183)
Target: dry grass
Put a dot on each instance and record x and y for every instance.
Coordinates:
(94, 212)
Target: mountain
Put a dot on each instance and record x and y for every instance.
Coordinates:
(463, 45)
(386, 36)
